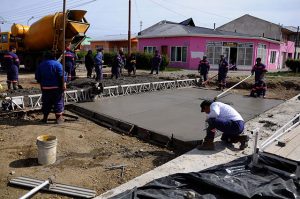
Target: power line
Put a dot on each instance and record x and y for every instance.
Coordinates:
(43, 12)
(167, 8)
(205, 12)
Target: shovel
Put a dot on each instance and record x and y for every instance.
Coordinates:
(218, 96)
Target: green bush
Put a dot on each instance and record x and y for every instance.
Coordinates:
(143, 61)
(109, 58)
(81, 55)
(293, 65)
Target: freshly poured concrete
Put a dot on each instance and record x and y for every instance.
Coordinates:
(196, 160)
(174, 112)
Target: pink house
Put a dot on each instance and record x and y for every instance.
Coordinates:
(185, 44)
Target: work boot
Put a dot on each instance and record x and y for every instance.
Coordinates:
(243, 139)
(59, 119)
(15, 85)
(45, 119)
(208, 144)
(8, 85)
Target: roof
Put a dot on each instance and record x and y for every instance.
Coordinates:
(291, 28)
(186, 28)
(121, 37)
(167, 28)
(250, 16)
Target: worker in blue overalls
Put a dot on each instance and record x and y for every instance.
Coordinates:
(11, 63)
(117, 65)
(222, 73)
(98, 60)
(259, 70)
(50, 76)
(69, 64)
(203, 69)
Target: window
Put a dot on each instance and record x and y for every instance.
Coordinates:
(262, 52)
(245, 56)
(214, 53)
(298, 57)
(273, 57)
(4, 38)
(149, 49)
(178, 53)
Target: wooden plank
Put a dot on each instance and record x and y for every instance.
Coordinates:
(292, 146)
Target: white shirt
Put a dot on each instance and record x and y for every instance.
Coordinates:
(223, 111)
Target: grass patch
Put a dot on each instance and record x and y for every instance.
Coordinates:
(172, 69)
(283, 74)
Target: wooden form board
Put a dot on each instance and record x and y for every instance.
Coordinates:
(291, 150)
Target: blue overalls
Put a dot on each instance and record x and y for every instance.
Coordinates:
(70, 64)
(49, 74)
(118, 64)
(156, 61)
(203, 69)
(98, 65)
(223, 69)
(11, 63)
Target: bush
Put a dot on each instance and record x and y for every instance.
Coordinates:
(109, 58)
(143, 61)
(81, 55)
(293, 65)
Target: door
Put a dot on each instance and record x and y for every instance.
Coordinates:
(226, 52)
(164, 50)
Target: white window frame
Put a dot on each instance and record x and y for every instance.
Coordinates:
(149, 49)
(273, 56)
(245, 56)
(176, 47)
(262, 52)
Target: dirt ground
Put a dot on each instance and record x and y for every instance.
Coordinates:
(85, 149)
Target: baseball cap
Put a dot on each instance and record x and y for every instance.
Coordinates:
(204, 104)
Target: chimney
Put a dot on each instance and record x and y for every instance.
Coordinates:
(214, 26)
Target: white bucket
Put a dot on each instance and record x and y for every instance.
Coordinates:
(46, 149)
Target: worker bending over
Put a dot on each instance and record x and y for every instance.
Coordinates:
(224, 118)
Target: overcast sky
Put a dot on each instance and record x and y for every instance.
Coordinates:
(110, 17)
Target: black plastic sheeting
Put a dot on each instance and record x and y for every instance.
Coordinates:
(233, 180)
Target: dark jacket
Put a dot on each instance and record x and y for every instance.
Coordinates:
(259, 70)
(156, 61)
(203, 67)
(89, 60)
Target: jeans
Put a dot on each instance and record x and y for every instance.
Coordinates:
(228, 127)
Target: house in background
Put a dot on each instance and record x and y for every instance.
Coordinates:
(112, 43)
(86, 44)
(251, 25)
(185, 44)
(295, 36)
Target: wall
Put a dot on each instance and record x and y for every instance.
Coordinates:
(169, 41)
(196, 47)
(113, 46)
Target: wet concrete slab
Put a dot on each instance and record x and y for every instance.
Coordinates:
(174, 112)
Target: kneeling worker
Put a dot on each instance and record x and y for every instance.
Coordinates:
(224, 118)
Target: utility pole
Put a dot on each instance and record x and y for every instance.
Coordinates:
(64, 41)
(296, 43)
(129, 28)
(141, 26)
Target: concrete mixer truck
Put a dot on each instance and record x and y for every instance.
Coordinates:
(43, 35)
